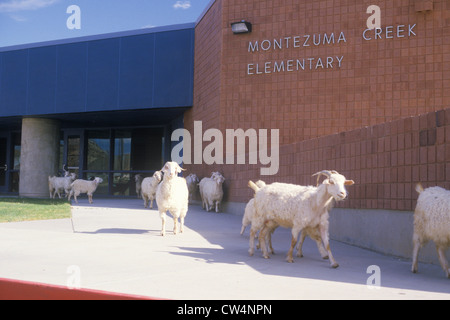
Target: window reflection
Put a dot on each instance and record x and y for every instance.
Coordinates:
(117, 155)
(98, 150)
(122, 150)
(121, 184)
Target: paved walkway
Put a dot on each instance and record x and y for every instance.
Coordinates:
(117, 247)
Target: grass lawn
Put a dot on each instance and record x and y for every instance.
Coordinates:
(24, 209)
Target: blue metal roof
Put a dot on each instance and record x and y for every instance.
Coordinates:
(133, 70)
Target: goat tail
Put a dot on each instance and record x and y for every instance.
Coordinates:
(419, 188)
(253, 186)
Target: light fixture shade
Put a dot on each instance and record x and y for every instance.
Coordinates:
(241, 27)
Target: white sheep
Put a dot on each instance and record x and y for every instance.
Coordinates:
(211, 191)
(56, 184)
(432, 222)
(192, 183)
(297, 207)
(138, 179)
(80, 186)
(148, 188)
(172, 195)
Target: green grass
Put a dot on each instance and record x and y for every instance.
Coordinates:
(25, 209)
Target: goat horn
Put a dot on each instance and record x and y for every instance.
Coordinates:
(323, 172)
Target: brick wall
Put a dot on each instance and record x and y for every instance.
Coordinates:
(361, 119)
(386, 161)
(207, 77)
(379, 80)
(207, 71)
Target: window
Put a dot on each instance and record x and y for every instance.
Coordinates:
(15, 172)
(116, 156)
(73, 154)
(122, 150)
(147, 149)
(3, 153)
(121, 184)
(98, 150)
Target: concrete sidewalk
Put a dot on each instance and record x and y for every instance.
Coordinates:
(117, 247)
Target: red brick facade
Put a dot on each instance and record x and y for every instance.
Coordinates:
(386, 161)
(342, 98)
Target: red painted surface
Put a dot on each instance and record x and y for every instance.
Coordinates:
(25, 290)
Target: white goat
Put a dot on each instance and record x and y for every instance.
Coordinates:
(297, 207)
(138, 179)
(313, 233)
(247, 219)
(172, 195)
(56, 184)
(80, 186)
(211, 191)
(192, 183)
(432, 222)
(149, 186)
(250, 209)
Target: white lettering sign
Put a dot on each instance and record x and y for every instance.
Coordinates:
(306, 40)
(294, 65)
(373, 32)
(389, 32)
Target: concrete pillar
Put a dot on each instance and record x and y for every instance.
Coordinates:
(39, 156)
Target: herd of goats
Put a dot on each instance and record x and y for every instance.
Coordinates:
(303, 209)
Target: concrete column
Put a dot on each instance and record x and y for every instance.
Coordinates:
(39, 156)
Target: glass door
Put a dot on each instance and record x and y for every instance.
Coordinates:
(73, 146)
(3, 164)
(14, 165)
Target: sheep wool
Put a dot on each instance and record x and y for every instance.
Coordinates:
(148, 188)
(432, 222)
(172, 195)
(138, 179)
(211, 191)
(80, 186)
(192, 183)
(56, 184)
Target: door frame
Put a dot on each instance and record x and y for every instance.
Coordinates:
(70, 133)
(6, 187)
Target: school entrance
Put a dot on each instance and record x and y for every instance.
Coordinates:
(116, 155)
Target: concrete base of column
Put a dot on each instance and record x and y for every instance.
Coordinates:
(39, 156)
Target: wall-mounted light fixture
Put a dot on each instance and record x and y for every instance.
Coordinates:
(241, 27)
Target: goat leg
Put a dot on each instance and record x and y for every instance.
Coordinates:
(326, 242)
(443, 260)
(295, 231)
